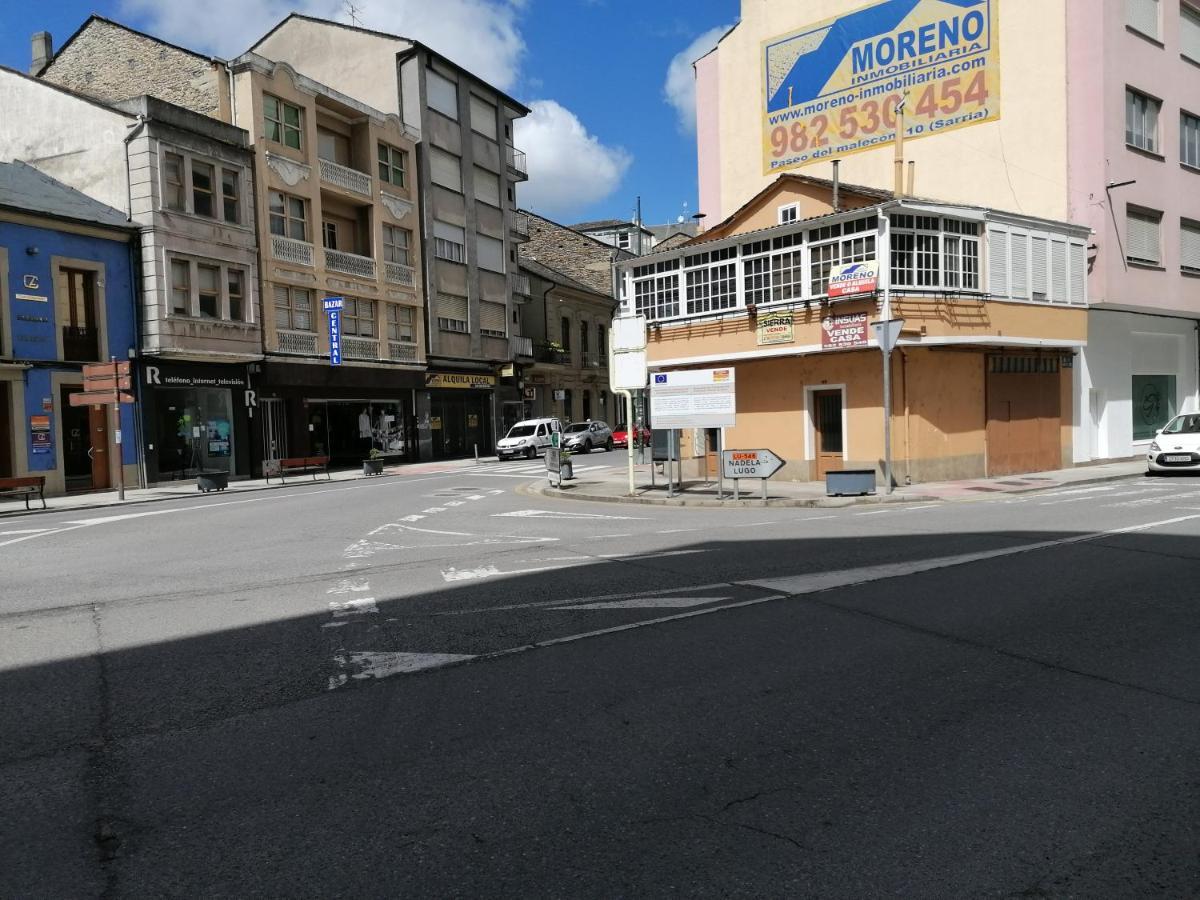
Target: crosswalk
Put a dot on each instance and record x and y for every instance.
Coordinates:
(530, 468)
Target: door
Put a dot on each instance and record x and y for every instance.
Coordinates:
(274, 429)
(1023, 415)
(101, 461)
(80, 336)
(85, 443)
(6, 431)
(712, 447)
(827, 427)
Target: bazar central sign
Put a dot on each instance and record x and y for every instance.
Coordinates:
(832, 88)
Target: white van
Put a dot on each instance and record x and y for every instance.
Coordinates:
(528, 438)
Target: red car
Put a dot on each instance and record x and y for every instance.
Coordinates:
(621, 435)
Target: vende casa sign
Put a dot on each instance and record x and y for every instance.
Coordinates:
(849, 279)
(845, 331)
(776, 328)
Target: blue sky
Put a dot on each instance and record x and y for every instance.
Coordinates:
(604, 129)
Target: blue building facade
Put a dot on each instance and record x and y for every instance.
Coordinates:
(67, 273)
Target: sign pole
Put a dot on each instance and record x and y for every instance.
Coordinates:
(720, 464)
(887, 417)
(670, 467)
(117, 431)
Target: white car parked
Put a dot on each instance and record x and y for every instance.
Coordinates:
(529, 438)
(1177, 447)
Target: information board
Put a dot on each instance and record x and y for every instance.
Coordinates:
(699, 398)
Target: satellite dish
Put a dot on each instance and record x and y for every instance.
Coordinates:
(679, 221)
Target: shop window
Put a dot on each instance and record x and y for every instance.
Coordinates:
(293, 309)
(1153, 404)
(208, 282)
(282, 122)
(173, 191)
(202, 189)
(393, 165)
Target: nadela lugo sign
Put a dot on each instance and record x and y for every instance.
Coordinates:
(844, 331)
(831, 88)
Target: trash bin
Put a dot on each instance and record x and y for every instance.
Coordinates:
(212, 480)
(850, 482)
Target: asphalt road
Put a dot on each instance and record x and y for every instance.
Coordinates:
(436, 685)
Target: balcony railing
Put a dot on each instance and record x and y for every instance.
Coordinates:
(555, 356)
(346, 178)
(360, 348)
(398, 273)
(80, 344)
(402, 352)
(350, 264)
(296, 342)
(519, 283)
(516, 161)
(518, 224)
(292, 251)
(520, 347)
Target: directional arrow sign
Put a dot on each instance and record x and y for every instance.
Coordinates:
(750, 463)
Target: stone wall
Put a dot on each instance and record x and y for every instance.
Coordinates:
(111, 63)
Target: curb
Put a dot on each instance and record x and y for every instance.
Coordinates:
(536, 489)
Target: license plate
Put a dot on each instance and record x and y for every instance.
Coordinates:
(1177, 459)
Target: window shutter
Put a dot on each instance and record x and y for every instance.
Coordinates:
(1141, 237)
(442, 94)
(1189, 246)
(1078, 273)
(452, 307)
(448, 232)
(489, 253)
(492, 317)
(445, 169)
(1142, 15)
(1038, 270)
(483, 117)
(487, 186)
(1189, 34)
(1058, 272)
(998, 262)
(1020, 265)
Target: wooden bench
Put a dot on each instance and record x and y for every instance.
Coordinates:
(296, 465)
(24, 486)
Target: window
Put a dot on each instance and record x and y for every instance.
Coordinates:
(568, 404)
(623, 240)
(1189, 247)
(1142, 236)
(231, 196)
(483, 117)
(282, 122)
(1153, 404)
(583, 339)
(789, 214)
(656, 294)
(173, 197)
(928, 251)
(487, 186)
(181, 287)
(329, 235)
(445, 169)
(449, 242)
(452, 313)
(288, 216)
(787, 275)
(854, 241)
(208, 281)
(565, 333)
(293, 309)
(202, 189)
(236, 279)
(395, 245)
(393, 164)
(400, 324)
(442, 94)
(358, 317)
(493, 319)
(1189, 140)
(601, 346)
(1141, 121)
(333, 147)
(1142, 16)
(1189, 33)
(489, 253)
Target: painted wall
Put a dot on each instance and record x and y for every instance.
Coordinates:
(708, 135)
(1017, 162)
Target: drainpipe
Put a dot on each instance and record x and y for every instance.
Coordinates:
(134, 130)
(546, 340)
(907, 418)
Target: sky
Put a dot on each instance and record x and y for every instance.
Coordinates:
(609, 82)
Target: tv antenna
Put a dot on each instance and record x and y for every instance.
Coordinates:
(352, 11)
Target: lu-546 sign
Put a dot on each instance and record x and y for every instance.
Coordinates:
(737, 464)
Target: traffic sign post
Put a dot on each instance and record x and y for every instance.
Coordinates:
(739, 464)
(887, 333)
(627, 372)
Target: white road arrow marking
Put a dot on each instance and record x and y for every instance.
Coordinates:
(364, 548)
(370, 664)
(649, 603)
(547, 514)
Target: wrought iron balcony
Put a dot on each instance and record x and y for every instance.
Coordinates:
(551, 354)
(516, 162)
(346, 178)
(518, 224)
(350, 264)
(291, 251)
(518, 283)
(304, 342)
(398, 273)
(520, 347)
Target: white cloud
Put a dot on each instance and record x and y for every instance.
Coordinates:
(680, 87)
(568, 168)
(482, 36)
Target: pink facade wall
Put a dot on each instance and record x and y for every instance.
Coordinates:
(708, 135)
(1104, 57)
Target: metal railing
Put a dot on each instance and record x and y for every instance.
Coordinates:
(296, 342)
(290, 250)
(401, 352)
(516, 161)
(350, 264)
(398, 273)
(518, 224)
(518, 283)
(556, 356)
(345, 177)
(360, 348)
(520, 347)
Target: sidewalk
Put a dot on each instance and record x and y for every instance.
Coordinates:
(612, 485)
(173, 490)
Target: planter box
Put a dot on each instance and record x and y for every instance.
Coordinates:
(212, 480)
(373, 466)
(850, 482)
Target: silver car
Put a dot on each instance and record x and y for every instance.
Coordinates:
(582, 437)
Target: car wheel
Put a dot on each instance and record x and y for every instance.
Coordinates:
(530, 453)
(587, 447)
(608, 445)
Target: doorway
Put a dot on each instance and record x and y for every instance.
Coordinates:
(828, 431)
(85, 444)
(6, 431)
(1023, 414)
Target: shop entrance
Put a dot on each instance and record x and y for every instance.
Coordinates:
(84, 443)
(6, 431)
(1023, 415)
(348, 430)
(828, 431)
(460, 423)
(195, 431)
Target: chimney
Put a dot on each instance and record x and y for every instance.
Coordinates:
(43, 51)
(837, 200)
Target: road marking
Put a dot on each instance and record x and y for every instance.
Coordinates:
(491, 572)
(412, 518)
(1087, 490)
(364, 548)
(358, 607)
(649, 603)
(434, 509)
(611, 556)
(475, 497)
(877, 512)
(370, 664)
(25, 531)
(540, 604)
(547, 514)
(350, 585)
(623, 535)
(679, 530)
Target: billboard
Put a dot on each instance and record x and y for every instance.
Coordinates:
(700, 398)
(844, 332)
(832, 88)
(851, 279)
